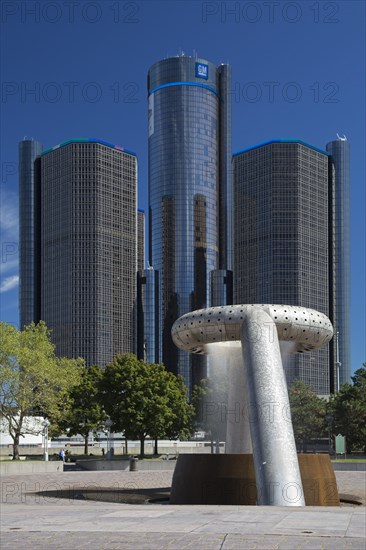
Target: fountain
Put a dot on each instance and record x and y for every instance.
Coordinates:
(280, 477)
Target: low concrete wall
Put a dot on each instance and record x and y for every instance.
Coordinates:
(350, 466)
(30, 467)
(142, 465)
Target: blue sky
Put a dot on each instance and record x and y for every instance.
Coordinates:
(78, 69)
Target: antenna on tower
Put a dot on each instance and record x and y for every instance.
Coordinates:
(342, 138)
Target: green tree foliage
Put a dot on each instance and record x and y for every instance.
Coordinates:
(144, 399)
(85, 412)
(33, 381)
(348, 407)
(307, 413)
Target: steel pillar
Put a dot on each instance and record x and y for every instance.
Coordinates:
(277, 472)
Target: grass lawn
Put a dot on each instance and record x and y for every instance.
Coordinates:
(349, 460)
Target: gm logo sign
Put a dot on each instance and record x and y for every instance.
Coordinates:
(202, 70)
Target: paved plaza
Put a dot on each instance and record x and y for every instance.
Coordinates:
(108, 510)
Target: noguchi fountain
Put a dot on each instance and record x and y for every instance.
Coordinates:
(260, 328)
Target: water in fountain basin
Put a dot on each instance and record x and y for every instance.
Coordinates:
(227, 375)
(225, 408)
(287, 355)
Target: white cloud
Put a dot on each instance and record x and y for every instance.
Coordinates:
(9, 216)
(9, 283)
(9, 230)
(9, 265)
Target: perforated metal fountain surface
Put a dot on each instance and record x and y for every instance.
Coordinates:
(259, 328)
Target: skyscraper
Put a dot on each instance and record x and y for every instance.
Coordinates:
(148, 328)
(190, 192)
(140, 239)
(282, 237)
(340, 163)
(29, 150)
(88, 248)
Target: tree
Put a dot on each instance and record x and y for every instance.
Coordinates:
(85, 412)
(33, 381)
(144, 399)
(172, 411)
(348, 407)
(307, 413)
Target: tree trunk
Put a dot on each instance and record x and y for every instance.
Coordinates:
(126, 443)
(212, 445)
(16, 446)
(86, 444)
(156, 447)
(142, 447)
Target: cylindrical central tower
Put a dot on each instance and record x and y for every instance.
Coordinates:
(189, 191)
(340, 306)
(29, 150)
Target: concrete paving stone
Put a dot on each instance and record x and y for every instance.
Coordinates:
(155, 541)
(55, 519)
(357, 526)
(125, 541)
(269, 542)
(339, 518)
(234, 527)
(255, 516)
(315, 522)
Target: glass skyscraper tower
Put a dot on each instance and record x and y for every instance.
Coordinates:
(89, 248)
(340, 160)
(190, 193)
(148, 329)
(140, 239)
(29, 150)
(283, 205)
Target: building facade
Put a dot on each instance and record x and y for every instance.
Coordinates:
(282, 237)
(88, 248)
(148, 328)
(340, 167)
(190, 192)
(29, 150)
(140, 239)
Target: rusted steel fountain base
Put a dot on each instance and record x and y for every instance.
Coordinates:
(230, 479)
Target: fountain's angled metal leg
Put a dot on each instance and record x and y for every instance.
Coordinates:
(276, 465)
(238, 439)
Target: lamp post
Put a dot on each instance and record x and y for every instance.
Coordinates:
(108, 423)
(329, 419)
(45, 425)
(338, 363)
